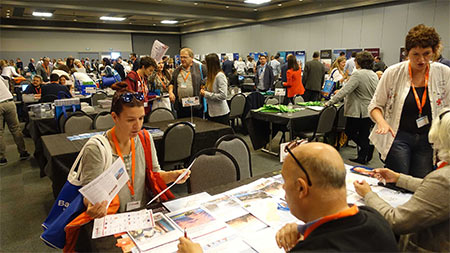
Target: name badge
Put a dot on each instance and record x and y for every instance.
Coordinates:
(422, 121)
(183, 85)
(133, 205)
(145, 104)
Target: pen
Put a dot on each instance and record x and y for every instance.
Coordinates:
(185, 234)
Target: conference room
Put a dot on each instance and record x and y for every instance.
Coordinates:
(224, 126)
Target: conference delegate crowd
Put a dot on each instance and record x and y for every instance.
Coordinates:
(408, 109)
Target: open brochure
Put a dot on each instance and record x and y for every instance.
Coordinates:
(122, 222)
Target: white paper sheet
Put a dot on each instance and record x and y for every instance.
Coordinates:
(186, 202)
(107, 185)
(263, 241)
(122, 222)
(158, 50)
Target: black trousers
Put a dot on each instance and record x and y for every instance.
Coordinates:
(224, 119)
(358, 130)
(311, 95)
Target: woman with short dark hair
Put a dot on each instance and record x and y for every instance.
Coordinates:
(408, 98)
(358, 92)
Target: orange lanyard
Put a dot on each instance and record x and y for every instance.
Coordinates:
(133, 160)
(162, 82)
(424, 95)
(186, 77)
(143, 86)
(442, 165)
(47, 69)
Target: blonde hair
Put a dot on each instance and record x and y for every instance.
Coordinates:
(439, 134)
(336, 63)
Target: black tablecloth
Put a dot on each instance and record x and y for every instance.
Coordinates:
(60, 153)
(38, 127)
(258, 124)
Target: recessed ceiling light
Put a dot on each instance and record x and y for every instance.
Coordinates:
(195, 3)
(75, 19)
(42, 14)
(43, 18)
(256, 1)
(228, 7)
(154, 24)
(130, 23)
(279, 5)
(169, 22)
(112, 18)
(255, 9)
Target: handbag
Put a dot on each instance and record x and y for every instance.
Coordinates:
(328, 87)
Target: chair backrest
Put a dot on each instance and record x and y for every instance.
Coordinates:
(103, 120)
(48, 98)
(255, 100)
(77, 122)
(298, 99)
(341, 119)
(160, 114)
(212, 167)
(279, 84)
(326, 120)
(237, 105)
(240, 151)
(99, 95)
(177, 142)
(272, 101)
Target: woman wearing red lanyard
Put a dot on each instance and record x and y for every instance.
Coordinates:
(408, 98)
(137, 80)
(160, 82)
(423, 221)
(127, 111)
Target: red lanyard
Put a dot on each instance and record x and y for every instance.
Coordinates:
(133, 160)
(424, 95)
(162, 82)
(38, 90)
(186, 77)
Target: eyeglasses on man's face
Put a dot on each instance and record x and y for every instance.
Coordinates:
(288, 148)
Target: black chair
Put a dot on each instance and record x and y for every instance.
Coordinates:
(161, 114)
(177, 144)
(99, 95)
(325, 124)
(239, 149)
(103, 120)
(204, 176)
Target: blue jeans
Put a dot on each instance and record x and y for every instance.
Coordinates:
(410, 154)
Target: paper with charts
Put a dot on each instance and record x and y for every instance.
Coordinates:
(122, 222)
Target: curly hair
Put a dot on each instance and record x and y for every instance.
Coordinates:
(422, 36)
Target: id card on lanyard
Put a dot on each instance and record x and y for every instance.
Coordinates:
(422, 120)
(132, 204)
(185, 78)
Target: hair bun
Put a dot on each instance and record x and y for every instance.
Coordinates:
(120, 87)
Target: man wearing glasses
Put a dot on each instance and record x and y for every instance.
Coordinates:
(314, 182)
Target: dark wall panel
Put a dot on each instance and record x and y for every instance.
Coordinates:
(142, 43)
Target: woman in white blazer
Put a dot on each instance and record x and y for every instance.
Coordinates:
(408, 98)
(216, 90)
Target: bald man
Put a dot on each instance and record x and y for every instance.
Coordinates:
(319, 198)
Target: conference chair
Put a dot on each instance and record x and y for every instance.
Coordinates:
(161, 114)
(298, 99)
(99, 95)
(177, 144)
(325, 124)
(339, 125)
(212, 167)
(237, 106)
(240, 151)
(77, 122)
(279, 84)
(103, 121)
(271, 101)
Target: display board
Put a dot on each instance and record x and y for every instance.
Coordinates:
(301, 58)
(325, 58)
(349, 52)
(336, 53)
(374, 51)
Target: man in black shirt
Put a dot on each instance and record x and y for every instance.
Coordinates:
(135, 60)
(35, 86)
(54, 88)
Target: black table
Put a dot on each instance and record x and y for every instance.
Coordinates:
(263, 125)
(38, 127)
(60, 153)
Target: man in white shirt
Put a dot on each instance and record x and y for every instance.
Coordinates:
(8, 114)
(350, 65)
(276, 66)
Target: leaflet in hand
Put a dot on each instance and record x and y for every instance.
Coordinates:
(122, 222)
(107, 185)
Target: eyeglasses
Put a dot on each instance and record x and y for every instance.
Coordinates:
(128, 97)
(441, 116)
(293, 144)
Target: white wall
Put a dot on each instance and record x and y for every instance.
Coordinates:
(58, 44)
(383, 27)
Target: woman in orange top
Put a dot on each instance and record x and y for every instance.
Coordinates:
(294, 79)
